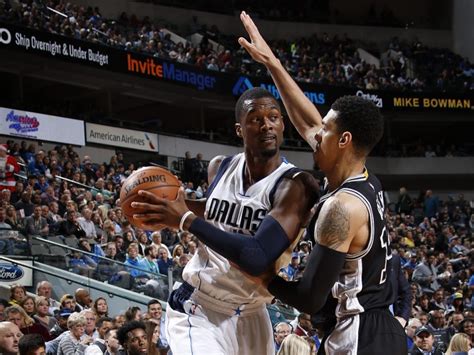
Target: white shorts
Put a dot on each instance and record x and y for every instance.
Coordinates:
(212, 327)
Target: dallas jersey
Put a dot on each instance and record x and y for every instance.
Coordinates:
(364, 282)
(230, 208)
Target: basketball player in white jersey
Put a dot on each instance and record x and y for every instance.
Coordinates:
(257, 205)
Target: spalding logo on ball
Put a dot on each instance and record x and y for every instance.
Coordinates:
(156, 180)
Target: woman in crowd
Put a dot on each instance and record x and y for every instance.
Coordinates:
(460, 343)
(12, 218)
(17, 294)
(101, 307)
(467, 327)
(42, 313)
(133, 313)
(28, 304)
(155, 346)
(177, 252)
(71, 343)
(294, 344)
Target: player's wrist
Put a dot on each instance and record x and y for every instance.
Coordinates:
(186, 219)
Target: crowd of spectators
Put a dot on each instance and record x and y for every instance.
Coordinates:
(320, 58)
(433, 240)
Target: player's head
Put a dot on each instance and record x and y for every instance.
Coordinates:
(352, 125)
(259, 122)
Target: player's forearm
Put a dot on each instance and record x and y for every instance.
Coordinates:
(310, 293)
(303, 114)
(253, 254)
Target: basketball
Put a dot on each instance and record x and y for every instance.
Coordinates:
(156, 180)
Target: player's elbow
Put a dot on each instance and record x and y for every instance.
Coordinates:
(256, 267)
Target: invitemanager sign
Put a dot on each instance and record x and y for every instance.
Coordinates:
(120, 137)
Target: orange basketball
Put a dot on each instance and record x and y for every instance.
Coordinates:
(156, 180)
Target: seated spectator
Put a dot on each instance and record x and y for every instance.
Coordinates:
(31, 344)
(74, 342)
(17, 294)
(294, 344)
(104, 324)
(459, 344)
(100, 307)
(410, 329)
(132, 336)
(281, 331)
(28, 305)
(437, 327)
(82, 264)
(12, 219)
(25, 207)
(87, 224)
(61, 326)
(10, 336)
(42, 313)
(27, 325)
(70, 227)
(36, 225)
(424, 341)
(156, 241)
(7, 246)
(164, 263)
(44, 288)
(90, 246)
(112, 342)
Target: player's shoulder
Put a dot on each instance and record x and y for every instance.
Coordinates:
(298, 184)
(215, 164)
(350, 203)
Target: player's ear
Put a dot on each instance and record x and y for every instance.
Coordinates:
(345, 139)
(238, 130)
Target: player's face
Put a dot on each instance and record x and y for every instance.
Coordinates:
(261, 127)
(327, 142)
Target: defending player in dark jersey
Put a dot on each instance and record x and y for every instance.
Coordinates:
(351, 259)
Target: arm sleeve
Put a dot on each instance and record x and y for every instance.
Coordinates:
(404, 296)
(310, 293)
(254, 254)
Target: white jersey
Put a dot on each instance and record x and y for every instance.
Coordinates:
(232, 209)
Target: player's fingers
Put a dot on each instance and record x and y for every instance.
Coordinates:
(144, 206)
(150, 197)
(181, 195)
(246, 44)
(149, 217)
(250, 26)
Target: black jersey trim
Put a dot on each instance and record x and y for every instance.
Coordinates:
(364, 200)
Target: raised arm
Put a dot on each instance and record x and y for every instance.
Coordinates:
(254, 255)
(340, 221)
(303, 114)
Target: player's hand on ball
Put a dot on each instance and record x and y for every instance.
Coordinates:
(257, 47)
(155, 211)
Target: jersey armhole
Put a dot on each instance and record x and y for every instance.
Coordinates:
(290, 173)
(370, 242)
(222, 168)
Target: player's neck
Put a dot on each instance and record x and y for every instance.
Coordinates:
(342, 171)
(257, 168)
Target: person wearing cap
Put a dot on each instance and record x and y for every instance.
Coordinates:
(289, 272)
(8, 168)
(62, 317)
(424, 341)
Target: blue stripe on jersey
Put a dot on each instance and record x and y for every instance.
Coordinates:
(222, 168)
(289, 173)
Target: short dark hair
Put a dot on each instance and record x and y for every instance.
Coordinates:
(122, 332)
(252, 94)
(102, 320)
(153, 301)
(30, 342)
(362, 119)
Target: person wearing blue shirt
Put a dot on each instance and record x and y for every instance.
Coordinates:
(163, 261)
(133, 259)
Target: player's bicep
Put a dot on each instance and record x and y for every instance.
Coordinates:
(309, 136)
(213, 167)
(293, 202)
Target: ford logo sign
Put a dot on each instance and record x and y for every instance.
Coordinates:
(10, 273)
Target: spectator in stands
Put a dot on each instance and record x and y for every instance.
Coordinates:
(410, 329)
(112, 342)
(31, 344)
(17, 294)
(8, 168)
(459, 344)
(156, 241)
(142, 241)
(121, 250)
(99, 346)
(133, 259)
(404, 203)
(163, 261)
(86, 224)
(29, 306)
(6, 243)
(437, 326)
(3, 304)
(294, 344)
(431, 204)
(82, 264)
(44, 288)
(438, 302)
(467, 327)
(100, 307)
(133, 313)
(24, 206)
(424, 341)
(132, 336)
(83, 299)
(27, 325)
(36, 225)
(74, 342)
(90, 246)
(42, 313)
(426, 274)
(12, 218)
(70, 227)
(282, 330)
(10, 336)
(178, 251)
(61, 327)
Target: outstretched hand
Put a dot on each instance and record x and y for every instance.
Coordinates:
(258, 49)
(154, 212)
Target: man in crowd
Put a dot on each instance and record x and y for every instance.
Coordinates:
(44, 288)
(413, 325)
(437, 328)
(36, 225)
(425, 274)
(32, 344)
(424, 343)
(156, 241)
(99, 347)
(132, 336)
(112, 342)
(83, 299)
(10, 336)
(62, 316)
(282, 330)
(86, 224)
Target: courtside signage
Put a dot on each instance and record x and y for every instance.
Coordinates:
(120, 137)
(38, 126)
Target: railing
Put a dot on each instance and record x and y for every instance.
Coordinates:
(108, 270)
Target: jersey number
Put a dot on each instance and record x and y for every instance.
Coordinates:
(385, 243)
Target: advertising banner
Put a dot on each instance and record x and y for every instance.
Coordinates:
(11, 274)
(121, 137)
(154, 68)
(38, 126)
